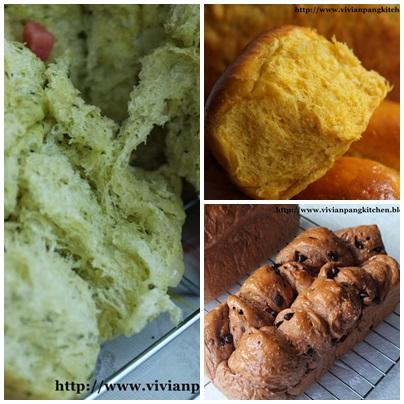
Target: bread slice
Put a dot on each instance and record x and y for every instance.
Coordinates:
(290, 105)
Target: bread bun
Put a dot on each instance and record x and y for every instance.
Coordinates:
(290, 105)
(355, 178)
(381, 140)
(374, 37)
(364, 242)
(314, 248)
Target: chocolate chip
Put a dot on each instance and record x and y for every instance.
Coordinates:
(359, 244)
(378, 249)
(241, 312)
(288, 316)
(276, 265)
(332, 273)
(228, 339)
(300, 257)
(310, 351)
(333, 256)
(279, 300)
(271, 312)
(377, 300)
(278, 324)
(82, 35)
(242, 329)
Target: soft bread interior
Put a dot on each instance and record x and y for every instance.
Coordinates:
(288, 107)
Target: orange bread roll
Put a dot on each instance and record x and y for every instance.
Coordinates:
(355, 178)
(287, 108)
(381, 140)
(374, 36)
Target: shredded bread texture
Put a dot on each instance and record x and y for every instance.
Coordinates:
(93, 240)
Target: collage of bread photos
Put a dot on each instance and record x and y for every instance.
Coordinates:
(201, 201)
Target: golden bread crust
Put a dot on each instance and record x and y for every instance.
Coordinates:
(381, 140)
(356, 179)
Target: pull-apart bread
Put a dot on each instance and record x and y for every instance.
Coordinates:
(287, 108)
(288, 322)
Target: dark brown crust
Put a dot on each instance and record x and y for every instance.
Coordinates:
(251, 371)
(235, 387)
(363, 241)
(238, 238)
(314, 248)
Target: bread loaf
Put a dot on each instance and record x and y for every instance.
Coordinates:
(282, 354)
(290, 105)
(240, 237)
(355, 178)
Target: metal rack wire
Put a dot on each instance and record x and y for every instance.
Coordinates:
(360, 373)
(140, 347)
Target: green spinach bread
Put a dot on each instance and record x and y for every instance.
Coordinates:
(93, 224)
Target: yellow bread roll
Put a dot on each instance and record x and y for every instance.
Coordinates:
(355, 178)
(286, 109)
(381, 140)
(373, 36)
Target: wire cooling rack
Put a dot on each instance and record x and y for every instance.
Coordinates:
(369, 371)
(120, 357)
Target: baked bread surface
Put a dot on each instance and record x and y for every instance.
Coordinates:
(381, 140)
(374, 37)
(287, 108)
(241, 237)
(279, 357)
(355, 178)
